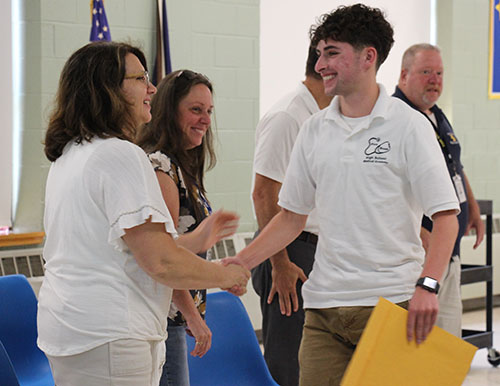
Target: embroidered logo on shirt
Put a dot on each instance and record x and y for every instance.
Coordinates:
(375, 149)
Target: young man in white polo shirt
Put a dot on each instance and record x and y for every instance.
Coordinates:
(371, 166)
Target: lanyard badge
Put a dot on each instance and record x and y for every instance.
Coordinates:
(459, 188)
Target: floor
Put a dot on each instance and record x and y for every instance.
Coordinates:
(482, 373)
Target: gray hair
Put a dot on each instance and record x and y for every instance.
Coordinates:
(413, 50)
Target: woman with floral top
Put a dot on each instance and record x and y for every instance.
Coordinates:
(179, 141)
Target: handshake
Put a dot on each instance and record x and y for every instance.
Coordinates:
(238, 275)
(214, 228)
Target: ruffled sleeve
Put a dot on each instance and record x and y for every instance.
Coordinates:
(125, 185)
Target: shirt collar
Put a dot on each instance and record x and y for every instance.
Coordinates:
(379, 111)
(401, 95)
(310, 102)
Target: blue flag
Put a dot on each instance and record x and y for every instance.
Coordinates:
(100, 27)
(494, 70)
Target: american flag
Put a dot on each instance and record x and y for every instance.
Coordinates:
(100, 27)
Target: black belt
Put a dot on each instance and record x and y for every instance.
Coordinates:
(308, 237)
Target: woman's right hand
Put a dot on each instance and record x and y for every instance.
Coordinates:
(236, 277)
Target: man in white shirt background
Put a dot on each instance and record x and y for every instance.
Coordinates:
(278, 280)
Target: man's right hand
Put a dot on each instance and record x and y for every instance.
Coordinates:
(285, 275)
(237, 276)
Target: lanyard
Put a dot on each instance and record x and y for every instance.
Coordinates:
(444, 147)
(205, 202)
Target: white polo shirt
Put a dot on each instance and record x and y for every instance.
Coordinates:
(275, 136)
(371, 186)
(94, 291)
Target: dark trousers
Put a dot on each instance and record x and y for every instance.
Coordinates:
(281, 334)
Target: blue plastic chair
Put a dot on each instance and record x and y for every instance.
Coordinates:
(18, 332)
(7, 374)
(235, 357)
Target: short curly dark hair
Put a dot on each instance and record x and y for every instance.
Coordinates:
(359, 25)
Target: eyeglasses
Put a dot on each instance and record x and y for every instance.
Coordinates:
(141, 76)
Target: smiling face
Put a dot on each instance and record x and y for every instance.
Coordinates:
(137, 90)
(422, 82)
(194, 115)
(339, 64)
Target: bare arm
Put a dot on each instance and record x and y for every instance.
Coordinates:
(425, 236)
(474, 215)
(284, 273)
(206, 234)
(279, 232)
(161, 258)
(424, 307)
(212, 229)
(196, 325)
(265, 199)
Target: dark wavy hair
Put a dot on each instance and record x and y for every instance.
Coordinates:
(359, 25)
(164, 133)
(312, 58)
(89, 101)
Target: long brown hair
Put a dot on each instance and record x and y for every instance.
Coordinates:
(164, 133)
(89, 101)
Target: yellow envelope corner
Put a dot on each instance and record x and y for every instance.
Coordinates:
(385, 357)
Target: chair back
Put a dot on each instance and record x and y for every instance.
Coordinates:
(18, 331)
(7, 373)
(235, 357)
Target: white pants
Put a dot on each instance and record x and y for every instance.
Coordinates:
(450, 299)
(124, 362)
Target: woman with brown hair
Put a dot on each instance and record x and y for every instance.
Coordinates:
(179, 141)
(111, 260)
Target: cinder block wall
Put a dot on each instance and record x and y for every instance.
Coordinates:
(221, 39)
(218, 38)
(463, 35)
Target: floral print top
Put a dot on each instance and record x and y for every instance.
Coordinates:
(187, 223)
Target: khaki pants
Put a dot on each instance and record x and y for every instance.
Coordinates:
(329, 339)
(124, 362)
(450, 299)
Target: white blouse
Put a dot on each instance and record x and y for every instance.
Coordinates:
(94, 291)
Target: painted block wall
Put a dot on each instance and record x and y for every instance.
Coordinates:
(218, 38)
(50, 31)
(463, 34)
